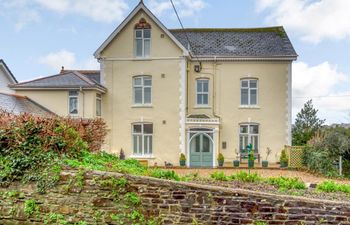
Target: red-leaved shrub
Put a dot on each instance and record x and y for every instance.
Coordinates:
(53, 133)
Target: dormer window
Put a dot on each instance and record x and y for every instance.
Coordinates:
(142, 39)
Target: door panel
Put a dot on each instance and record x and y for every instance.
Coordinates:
(201, 151)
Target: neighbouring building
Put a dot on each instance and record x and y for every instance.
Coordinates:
(164, 92)
(15, 103)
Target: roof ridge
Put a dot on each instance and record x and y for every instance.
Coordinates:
(40, 78)
(256, 29)
(83, 77)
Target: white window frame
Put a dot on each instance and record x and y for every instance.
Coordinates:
(98, 98)
(249, 135)
(202, 92)
(143, 86)
(73, 96)
(143, 136)
(249, 89)
(143, 39)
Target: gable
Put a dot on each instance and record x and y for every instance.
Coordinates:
(120, 44)
(6, 78)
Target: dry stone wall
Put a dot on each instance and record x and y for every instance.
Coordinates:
(169, 201)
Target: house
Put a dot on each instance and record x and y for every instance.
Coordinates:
(14, 103)
(68, 93)
(199, 92)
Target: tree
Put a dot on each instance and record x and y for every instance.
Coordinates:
(306, 124)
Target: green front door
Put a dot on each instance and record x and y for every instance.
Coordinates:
(201, 151)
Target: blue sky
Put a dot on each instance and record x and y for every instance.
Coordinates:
(38, 36)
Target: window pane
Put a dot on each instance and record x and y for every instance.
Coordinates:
(205, 99)
(197, 141)
(150, 150)
(73, 93)
(199, 99)
(138, 95)
(199, 86)
(253, 97)
(135, 144)
(147, 81)
(145, 145)
(244, 129)
(147, 47)
(243, 142)
(244, 83)
(137, 128)
(147, 95)
(255, 143)
(148, 128)
(205, 85)
(244, 96)
(98, 107)
(253, 84)
(137, 81)
(147, 33)
(138, 33)
(139, 47)
(254, 129)
(73, 105)
(139, 141)
(206, 143)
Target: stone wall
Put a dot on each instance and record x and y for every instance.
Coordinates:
(169, 201)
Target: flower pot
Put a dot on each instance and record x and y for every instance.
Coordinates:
(221, 163)
(283, 164)
(236, 163)
(182, 162)
(265, 163)
(250, 163)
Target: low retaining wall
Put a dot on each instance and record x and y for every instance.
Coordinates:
(173, 203)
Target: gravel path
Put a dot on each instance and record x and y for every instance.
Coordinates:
(304, 176)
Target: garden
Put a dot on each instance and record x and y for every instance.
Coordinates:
(36, 150)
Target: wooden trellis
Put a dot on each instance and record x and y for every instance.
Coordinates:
(294, 156)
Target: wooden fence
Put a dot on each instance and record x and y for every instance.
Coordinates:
(294, 156)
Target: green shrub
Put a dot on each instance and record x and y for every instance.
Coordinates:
(283, 157)
(219, 176)
(30, 207)
(286, 183)
(182, 157)
(164, 174)
(245, 177)
(221, 157)
(331, 186)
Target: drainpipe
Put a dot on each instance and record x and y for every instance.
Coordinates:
(82, 92)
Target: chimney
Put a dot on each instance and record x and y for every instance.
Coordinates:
(62, 69)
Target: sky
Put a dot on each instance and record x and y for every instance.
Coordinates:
(37, 37)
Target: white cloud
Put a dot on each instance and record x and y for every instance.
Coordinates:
(100, 11)
(185, 8)
(320, 83)
(312, 20)
(25, 12)
(56, 60)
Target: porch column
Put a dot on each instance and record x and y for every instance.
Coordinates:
(215, 145)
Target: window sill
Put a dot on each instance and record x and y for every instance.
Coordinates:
(142, 157)
(142, 106)
(249, 107)
(202, 107)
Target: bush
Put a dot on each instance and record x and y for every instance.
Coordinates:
(286, 183)
(245, 177)
(164, 174)
(30, 146)
(221, 157)
(331, 186)
(182, 157)
(283, 157)
(219, 176)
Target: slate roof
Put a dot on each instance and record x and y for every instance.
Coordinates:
(245, 42)
(18, 104)
(69, 79)
(93, 75)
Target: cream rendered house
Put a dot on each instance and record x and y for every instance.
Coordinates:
(199, 92)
